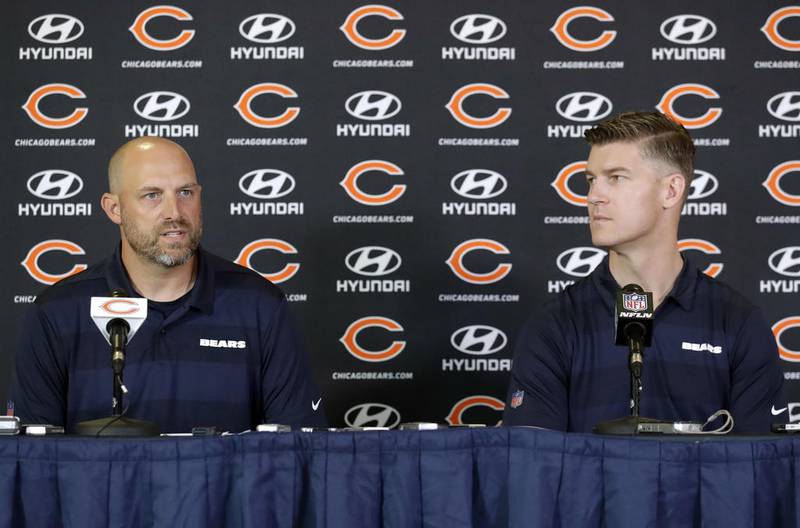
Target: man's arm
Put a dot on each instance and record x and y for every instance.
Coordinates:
(756, 378)
(539, 390)
(289, 393)
(39, 383)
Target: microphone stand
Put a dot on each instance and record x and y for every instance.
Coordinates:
(117, 424)
(629, 425)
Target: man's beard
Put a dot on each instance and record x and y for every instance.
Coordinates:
(147, 244)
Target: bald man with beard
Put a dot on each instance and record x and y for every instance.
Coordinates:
(218, 347)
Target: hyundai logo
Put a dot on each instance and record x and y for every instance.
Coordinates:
(55, 28)
(372, 415)
(162, 106)
(478, 29)
(373, 105)
(688, 29)
(786, 261)
(478, 184)
(266, 184)
(785, 106)
(373, 261)
(478, 340)
(580, 261)
(584, 106)
(267, 28)
(703, 184)
(55, 184)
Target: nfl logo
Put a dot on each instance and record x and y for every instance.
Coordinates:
(516, 399)
(635, 302)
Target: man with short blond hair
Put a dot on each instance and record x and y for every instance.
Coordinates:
(218, 347)
(711, 348)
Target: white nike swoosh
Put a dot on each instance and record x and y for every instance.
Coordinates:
(776, 412)
(315, 404)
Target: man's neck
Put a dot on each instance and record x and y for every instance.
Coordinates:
(156, 282)
(654, 269)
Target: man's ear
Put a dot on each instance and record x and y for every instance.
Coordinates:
(674, 189)
(110, 204)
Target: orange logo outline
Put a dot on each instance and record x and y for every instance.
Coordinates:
(561, 32)
(779, 328)
(667, 102)
(31, 106)
(106, 306)
(349, 339)
(456, 109)
(455, 261)
(561, 184)
(713, 269)
(350, 182)
(243, 105)
(350, 29)
(31, 261)
(464, 404)
(770, 28)
(286, 273)
(140, 31)
(772, 183)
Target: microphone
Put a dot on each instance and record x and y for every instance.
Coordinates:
(633, 322)
(118, 318)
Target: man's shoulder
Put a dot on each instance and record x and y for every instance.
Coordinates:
(231, 276)
(721, 295)
(573, 303)
(580, 293)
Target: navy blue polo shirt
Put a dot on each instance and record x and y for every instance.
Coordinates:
(226, 354)
(712, 349)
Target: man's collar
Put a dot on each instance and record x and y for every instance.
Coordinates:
(201, 296)
(682, 291)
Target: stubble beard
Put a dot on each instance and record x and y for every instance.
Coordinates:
(147, 245)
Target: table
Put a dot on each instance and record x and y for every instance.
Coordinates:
(450, 478)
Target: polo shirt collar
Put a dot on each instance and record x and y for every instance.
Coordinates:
(201, 296)
(683, 291)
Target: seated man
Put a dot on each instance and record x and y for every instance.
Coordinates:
(177, 374)
(569, 375)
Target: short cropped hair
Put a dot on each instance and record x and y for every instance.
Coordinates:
(661, 138)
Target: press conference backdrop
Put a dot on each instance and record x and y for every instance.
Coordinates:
(409, 173)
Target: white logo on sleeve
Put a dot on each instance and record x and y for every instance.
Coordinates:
(222, 343)
(315, 404)
(702, 347)
(776, 412)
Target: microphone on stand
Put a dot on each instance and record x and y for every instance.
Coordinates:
(633, 328)
(118, 317)
(633, 325)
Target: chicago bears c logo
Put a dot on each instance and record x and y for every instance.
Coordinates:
(456, 416)
(778, 329)
(773, 183)
(456, 261)
(561, 184)
(770, 28)
(456, 108)
(561, 31)
(350, 28)
(31, 106)
(282, 246)
(667, 102)
(350, 339)
(31, 262)
(350, 183)
(139, 28)
(246, 99)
